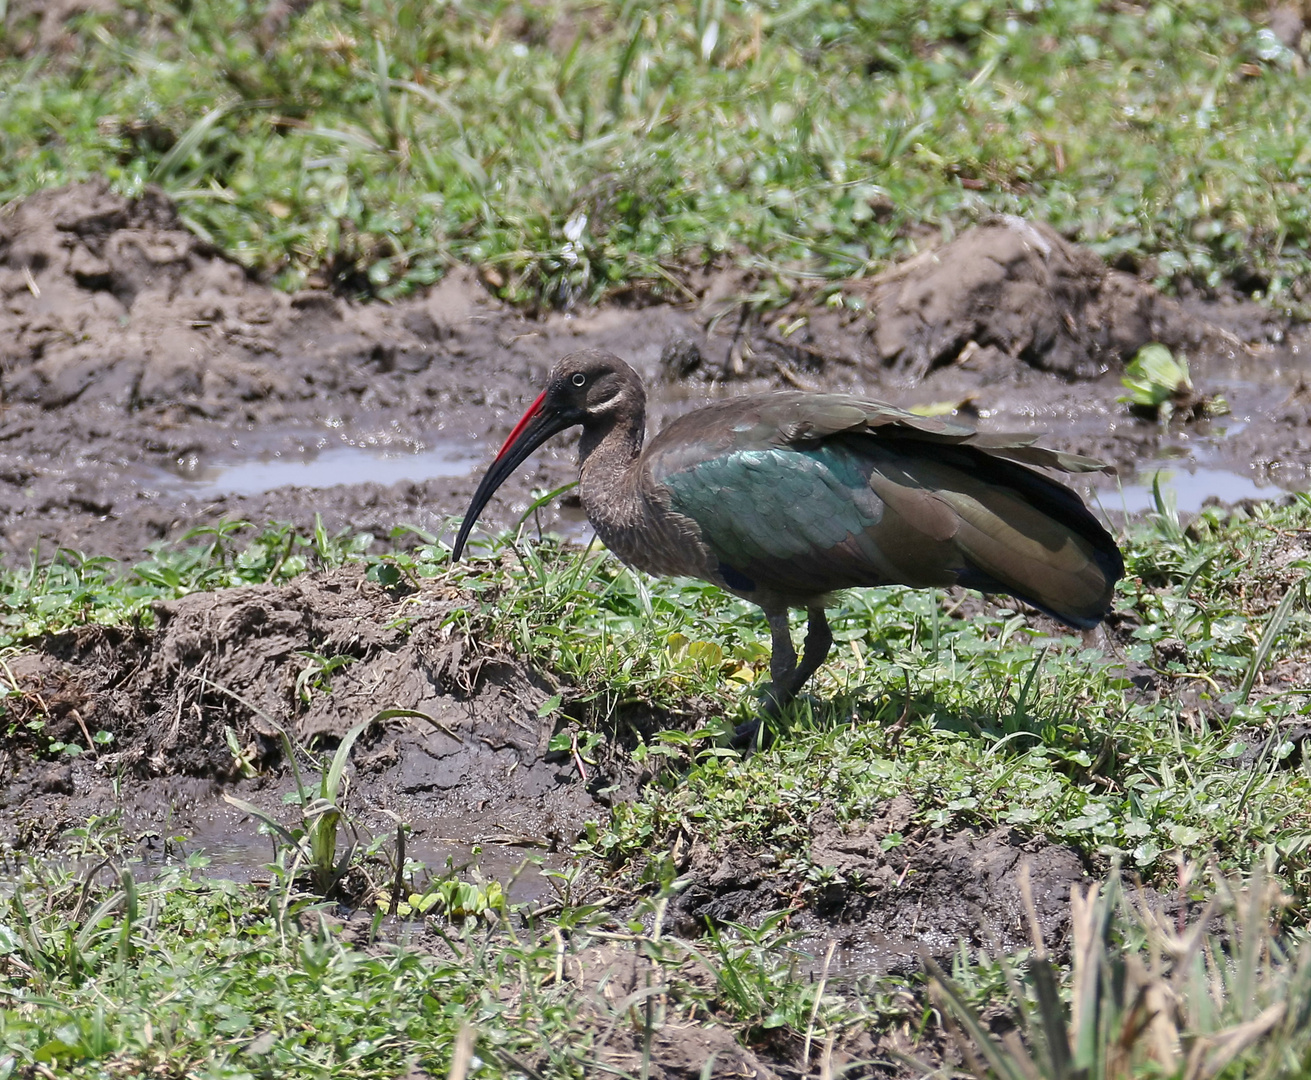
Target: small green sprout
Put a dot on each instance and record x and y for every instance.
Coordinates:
(1160, 386)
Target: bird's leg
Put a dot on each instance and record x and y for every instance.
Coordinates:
(789, 676)
(786, 675)
(782, 675)
(782, 661)
(819, 639)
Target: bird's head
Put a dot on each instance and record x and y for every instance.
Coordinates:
(591, 388)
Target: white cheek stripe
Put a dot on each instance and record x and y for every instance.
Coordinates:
(607, 405)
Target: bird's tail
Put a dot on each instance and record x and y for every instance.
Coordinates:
(1013, 530)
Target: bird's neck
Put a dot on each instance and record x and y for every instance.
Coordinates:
(608, 472)
(629, 511)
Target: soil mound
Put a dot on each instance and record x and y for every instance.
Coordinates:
(1025, 293)
(112, 300)
(208, 694)
(1011, 291)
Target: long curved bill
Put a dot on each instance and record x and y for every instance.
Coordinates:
(533, 429)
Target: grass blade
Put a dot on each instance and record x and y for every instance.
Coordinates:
(1001, 1063)
(332, 782)
(167, 166)
(1273, 628)
(625, 65)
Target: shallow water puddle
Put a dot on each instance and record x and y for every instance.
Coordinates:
(862, 953)
(1209, 460)
(235, 850)
(317, 467)
(1191, 484)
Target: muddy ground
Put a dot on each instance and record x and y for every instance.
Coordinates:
(196, 704)
(150, 386)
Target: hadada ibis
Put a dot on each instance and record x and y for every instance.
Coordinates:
(785, 498)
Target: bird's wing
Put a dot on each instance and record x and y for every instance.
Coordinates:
(787, 526)
(804, 494)
(807, 418)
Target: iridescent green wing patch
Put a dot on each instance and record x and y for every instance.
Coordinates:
(776, 504)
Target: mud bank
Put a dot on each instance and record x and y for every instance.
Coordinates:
(150, 386)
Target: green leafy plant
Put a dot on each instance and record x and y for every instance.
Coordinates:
(316, 675)
(1160, 387)
(453, 899)
(312, 842)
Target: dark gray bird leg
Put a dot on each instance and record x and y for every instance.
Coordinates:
(819, 639)
(786, 675)
(782, 661)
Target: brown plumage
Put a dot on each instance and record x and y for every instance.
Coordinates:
(784, 498)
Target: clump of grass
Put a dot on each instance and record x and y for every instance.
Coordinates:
(312, 843)
(72, 589)
(1149, 995)
(577, 150)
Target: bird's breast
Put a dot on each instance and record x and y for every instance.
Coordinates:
(635, 520)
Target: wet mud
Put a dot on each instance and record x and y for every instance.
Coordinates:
(150, 386)
(199, 706)
(887, 908)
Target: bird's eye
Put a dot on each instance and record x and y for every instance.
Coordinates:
(578, 379)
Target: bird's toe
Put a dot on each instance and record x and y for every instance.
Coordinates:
(753, 734)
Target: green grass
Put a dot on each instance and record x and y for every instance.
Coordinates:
(73, 589)
(576, 150)
(178, 975)
(981, 721)
(995, 722)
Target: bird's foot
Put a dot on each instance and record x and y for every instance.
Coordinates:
(751, 735)
(773, 707)
(755, 734)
